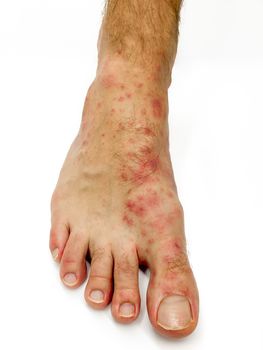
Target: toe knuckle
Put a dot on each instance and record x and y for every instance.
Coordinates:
(126, 264)
(178, 263)
(100, 254)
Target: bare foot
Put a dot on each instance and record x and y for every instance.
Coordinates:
(116, 200)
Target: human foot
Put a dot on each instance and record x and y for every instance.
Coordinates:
(116, 200)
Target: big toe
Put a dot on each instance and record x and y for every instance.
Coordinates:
(172, 296)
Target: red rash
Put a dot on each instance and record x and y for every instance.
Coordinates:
(157, 108)
(148, 132)
(144, 233)
(139, 85)
(141, 174)
(127, 220)
(170, 194)
(109, 81)
(143, 111)
(136, 208)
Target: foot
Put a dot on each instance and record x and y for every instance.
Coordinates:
(116, 202)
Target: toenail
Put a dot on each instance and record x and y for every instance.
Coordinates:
(70, 279)
(174, 313)
(127, 310)
(55, 254)
(97, 296)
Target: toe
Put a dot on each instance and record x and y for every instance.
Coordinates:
(98, 291)
(172, 296)
(59, 234)
(73, 268)
(126, 297)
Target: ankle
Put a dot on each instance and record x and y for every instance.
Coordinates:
(154, 74)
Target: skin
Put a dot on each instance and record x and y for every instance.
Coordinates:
(116, 200)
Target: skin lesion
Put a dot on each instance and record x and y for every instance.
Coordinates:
(137, 163)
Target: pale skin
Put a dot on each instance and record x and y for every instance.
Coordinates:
(116, 200)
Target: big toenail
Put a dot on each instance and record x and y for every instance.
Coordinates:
(174, 313)
(55, 253)
(97, 296)
(70, 279)
(126, 310)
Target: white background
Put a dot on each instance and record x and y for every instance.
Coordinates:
(47, 61)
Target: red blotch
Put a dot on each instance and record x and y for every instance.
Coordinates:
(170, 194)
(143, 111)
(157, 108)
(139, 85)
(124, 176)
(141, 175)
(121, 98)
(128, 95)
(108, 81)
(143, 233)
(136, 208)
(150, 241)
(153, 200)
(146, 150)
(112, 111)
(127, 220)
(148, 132)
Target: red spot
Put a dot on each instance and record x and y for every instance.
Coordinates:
(127, 220)
(157, 108)
(170, 194)
(108, 81)
(128, 95)
(143, 111)
(124, 176)
(143, 233)
(112, 110)
(150, 241)
(148, 132)
(121, 98)
(136, 208)
(139, 85)
(153, 200)
(98, 105)
(120, 126)
(146, 150)
(141, 174)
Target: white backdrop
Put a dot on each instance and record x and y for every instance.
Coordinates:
(47, 61)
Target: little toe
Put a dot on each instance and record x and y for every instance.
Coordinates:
(59, 234)
(126, 297)
(172, 296)
(98, 291)
(73, 268)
